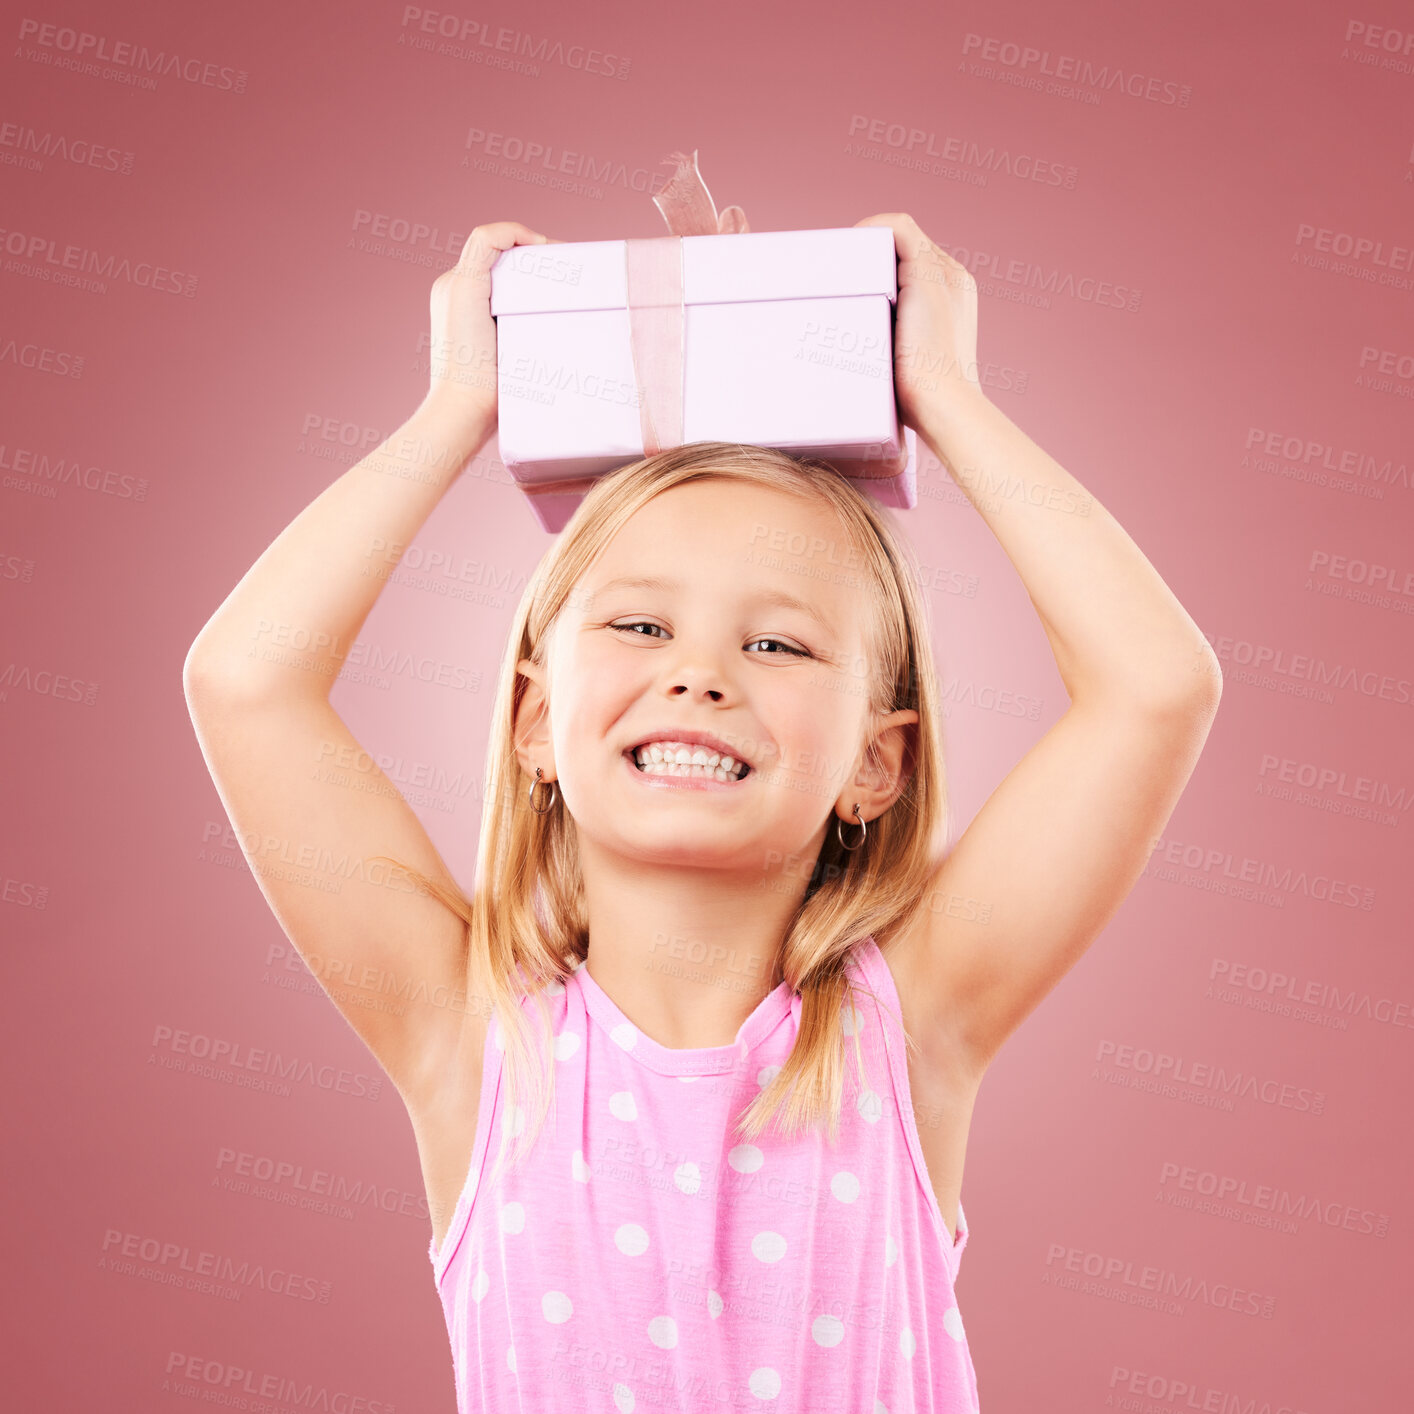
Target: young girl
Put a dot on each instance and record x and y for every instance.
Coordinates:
(691, 1070)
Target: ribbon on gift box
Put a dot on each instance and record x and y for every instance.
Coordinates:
(654, 284)
(653, 277)
(653, 281)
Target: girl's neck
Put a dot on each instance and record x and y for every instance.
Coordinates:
(686, 954)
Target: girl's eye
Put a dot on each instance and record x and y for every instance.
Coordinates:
(641, 623)
(622, 627)
(799, 652)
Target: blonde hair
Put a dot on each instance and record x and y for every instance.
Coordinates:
(527, 927)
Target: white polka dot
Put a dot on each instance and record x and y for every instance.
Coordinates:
(764, 1383)
(952, 1323)
(688, 1178)
(557, 1307)
(554, 988)
(714, 1304)
(631, 1240)
(880, 1407)
(624, 1035)
(768, 1246)
(511, 1358)
(746, 1158)
(852, 1021)
(845, 1186)
(907, 1343)
(766, 1075)
(870, 1106)
(512, 1218)
(480, 1284)
(566, 1045)
(513, 1120)
(890, 1250)
(621, 1106)
(663, 1332)
(578, 1168)
(623, 1399)
(496, 1038)
(827, 1330)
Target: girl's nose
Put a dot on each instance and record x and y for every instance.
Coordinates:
(700, 677)
(679, 689)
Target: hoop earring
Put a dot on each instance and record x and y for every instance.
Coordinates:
(531, 794)
(839, 833)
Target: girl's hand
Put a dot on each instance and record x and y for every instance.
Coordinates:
(463, 348)
(935, 325)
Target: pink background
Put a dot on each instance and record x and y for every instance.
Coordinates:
(138, 486)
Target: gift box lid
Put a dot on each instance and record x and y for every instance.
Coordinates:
(745, 266)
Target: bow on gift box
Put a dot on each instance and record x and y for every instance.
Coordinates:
(654, 282)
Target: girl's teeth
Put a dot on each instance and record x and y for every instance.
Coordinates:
(664, 768)
(659, 760)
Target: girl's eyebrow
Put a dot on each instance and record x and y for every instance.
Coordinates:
(765, 596)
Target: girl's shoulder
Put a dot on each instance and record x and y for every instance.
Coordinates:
(870, 977)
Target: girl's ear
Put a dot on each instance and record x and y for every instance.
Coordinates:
(531, 729)
(877, 786)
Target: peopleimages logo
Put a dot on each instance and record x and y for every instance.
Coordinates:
(24, 146)
(1303, 997)
(1306, 674)
(1267, 449)
(1012, 276)
(59, 362)
(219, 1382)
(1258, 1202)
(253, 1068)
(1140, 1391)
(555, 168)
(42, 255)
(910, 147)
(51, 470)
(1119, 1278)
(1379, 46)
(1158, 1069)
(312, 1189)
(1239, 874)
(67, 48)
(169, 1262)
(1070, 67)
(443, 32)
(1364, 257)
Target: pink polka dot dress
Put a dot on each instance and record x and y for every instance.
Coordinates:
(642, 1259)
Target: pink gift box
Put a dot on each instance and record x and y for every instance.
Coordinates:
(782, 339)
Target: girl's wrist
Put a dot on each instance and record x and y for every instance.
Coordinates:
(449, 428)
(940, 415)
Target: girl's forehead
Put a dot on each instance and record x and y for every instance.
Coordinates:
(746, 520)
(736, 546)
(725, 492)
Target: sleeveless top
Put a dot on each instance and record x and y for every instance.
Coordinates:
(640, 1258)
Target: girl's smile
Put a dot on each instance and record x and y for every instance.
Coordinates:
(685, 776)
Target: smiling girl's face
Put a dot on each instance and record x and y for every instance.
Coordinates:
(720, 607)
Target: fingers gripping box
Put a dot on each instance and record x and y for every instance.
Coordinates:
(609, 350)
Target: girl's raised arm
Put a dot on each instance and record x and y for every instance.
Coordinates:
(1057, 847)
(391, 959)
